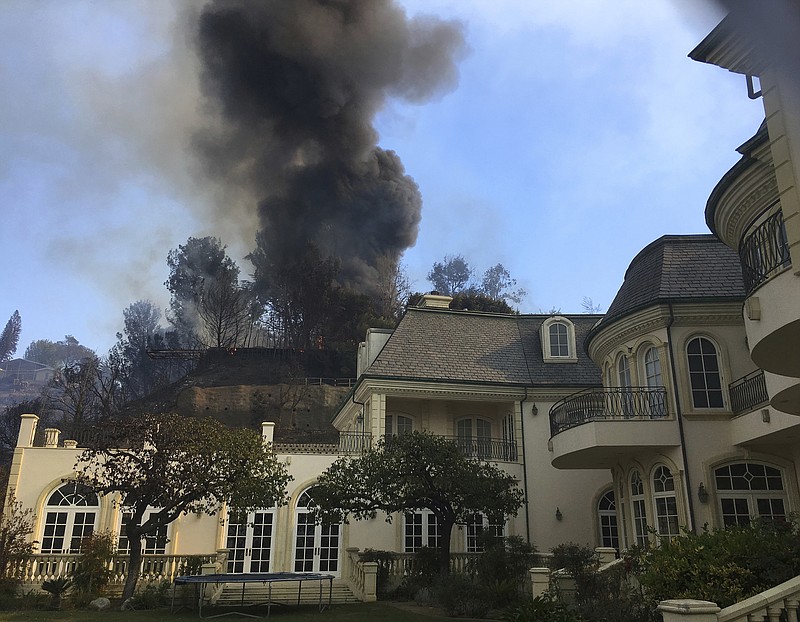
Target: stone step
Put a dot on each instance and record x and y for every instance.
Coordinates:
(285, 592)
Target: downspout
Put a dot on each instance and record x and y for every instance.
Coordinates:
(679, 416)
(525, 468)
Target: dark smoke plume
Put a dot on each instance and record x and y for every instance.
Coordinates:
(296, 86)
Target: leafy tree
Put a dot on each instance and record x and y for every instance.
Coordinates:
(471, 301)
(416, 471)
(394, 288)
(451, 276)
(57, 354)
(16, 526)
(9, 338)
(498, 284)
(177, 465)
(296, 294)
(195, 268)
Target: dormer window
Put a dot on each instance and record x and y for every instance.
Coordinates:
(558, 340)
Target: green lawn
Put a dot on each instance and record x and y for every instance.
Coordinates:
(366, 612)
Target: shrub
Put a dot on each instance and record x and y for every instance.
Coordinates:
(16, 526)
(503, 568)
(151, 596)
(92, 570)
(723, 565)
(544, 608)
(460, 596)
(610, 596)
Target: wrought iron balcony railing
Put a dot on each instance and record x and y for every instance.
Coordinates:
(749, 392)
(608, 404)
(764, 252)
(497, 449)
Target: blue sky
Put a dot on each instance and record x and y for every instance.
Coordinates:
(578, 133)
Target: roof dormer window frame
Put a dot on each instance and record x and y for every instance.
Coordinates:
(558, 340)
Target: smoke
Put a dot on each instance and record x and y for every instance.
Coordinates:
(293, 89)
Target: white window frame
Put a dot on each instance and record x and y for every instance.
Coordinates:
(477, 525)
(398, 423)
(607, 521)
(152, 544)
(420, 529)
(638, 508)
(70, 515)
(544, 333)
(705, 373)
(750, 496)
(665, 502)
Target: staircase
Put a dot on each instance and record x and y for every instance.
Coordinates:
(284, 593)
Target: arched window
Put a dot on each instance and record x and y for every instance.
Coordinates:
(623, 372)
(316, 545)
(474, 437)
(652, 368)
(398, 424)
(70, 516)
(558, 340)
(704, 376)
(656, 397)
(607, 520)
(750, 489)
(665, 503)
(639, 509)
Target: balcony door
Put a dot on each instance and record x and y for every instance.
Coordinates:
(70, 516)
(475, 437)
(316, 546)
(249, 541)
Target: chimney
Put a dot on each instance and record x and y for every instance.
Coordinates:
(435, 301)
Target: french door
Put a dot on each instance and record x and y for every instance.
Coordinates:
(249, 541)
(316, 546)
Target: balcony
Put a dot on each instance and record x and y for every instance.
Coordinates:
(607, 405)
(764, 253)
(593, 428)
(748, 393)
(491, 449)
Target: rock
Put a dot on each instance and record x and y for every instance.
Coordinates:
(100, 604)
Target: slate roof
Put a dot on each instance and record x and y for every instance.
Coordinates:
(678, 268)
(437, 345)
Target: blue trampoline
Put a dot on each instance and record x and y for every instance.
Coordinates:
(266, 578)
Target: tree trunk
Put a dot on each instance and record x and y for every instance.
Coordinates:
(444, 551)
(134, 563)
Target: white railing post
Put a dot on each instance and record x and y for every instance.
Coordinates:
(370, 570)
(540, 581)
(688, 610)
(606, 554)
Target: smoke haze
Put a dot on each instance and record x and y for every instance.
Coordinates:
(293, 89)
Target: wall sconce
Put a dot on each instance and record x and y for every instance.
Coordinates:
(702, 493)
(559, 515)
(534, 410)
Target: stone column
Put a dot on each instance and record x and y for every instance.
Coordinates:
(370, 581)
(540, 581)
(606, 554)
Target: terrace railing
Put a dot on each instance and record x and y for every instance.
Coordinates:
(749, 392)
(764, 252)
(153, 567)
(611, 404)
(496, 449)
